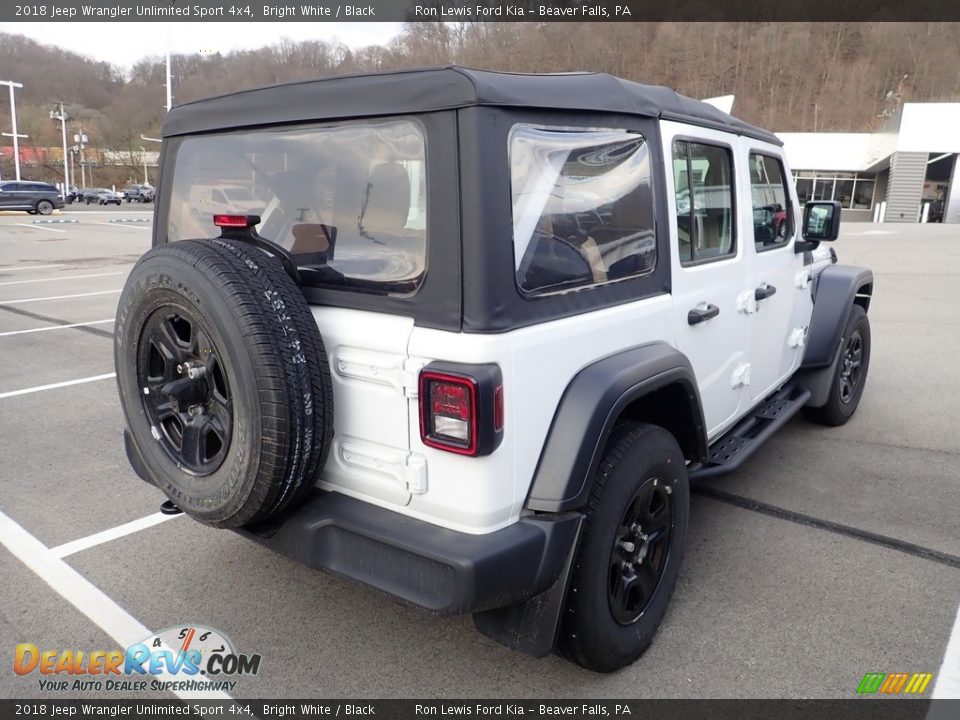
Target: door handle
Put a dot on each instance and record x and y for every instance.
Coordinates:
(763, 292)
(701, 314)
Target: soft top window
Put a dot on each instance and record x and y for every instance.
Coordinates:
(582, 207)
(349, 201)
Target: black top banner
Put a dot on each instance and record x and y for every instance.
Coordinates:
(480, 11)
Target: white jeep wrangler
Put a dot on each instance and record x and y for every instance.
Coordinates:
(471, 336)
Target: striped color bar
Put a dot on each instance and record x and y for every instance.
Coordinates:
(895, 683)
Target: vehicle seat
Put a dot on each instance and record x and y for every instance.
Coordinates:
(631, 223)
(313, 243)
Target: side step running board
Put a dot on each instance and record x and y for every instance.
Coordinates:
(734, 447)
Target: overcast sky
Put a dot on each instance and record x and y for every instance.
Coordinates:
(125, 43)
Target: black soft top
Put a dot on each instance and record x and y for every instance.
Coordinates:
(444, 88)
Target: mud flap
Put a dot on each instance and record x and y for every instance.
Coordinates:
(532, 627)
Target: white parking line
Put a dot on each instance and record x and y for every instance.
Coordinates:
(82, 594)
(54, 386)
(58, 297)
(948, 679)
(56, 327)
(122, 225)
(81, 213)
(65, 277)
(38, 227)
(84, 543)
(18, 268)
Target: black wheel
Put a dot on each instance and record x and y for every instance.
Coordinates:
(223, 380)
(630, 551)
(44, 207)
(851, 373)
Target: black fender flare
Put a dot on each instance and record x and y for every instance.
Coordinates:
(837, 289)
(590, 407)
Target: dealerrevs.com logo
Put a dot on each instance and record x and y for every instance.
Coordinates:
(183, 658)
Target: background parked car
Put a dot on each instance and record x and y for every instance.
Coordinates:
(101, 196)
(108, 197)
(34, 197)
(139, 193)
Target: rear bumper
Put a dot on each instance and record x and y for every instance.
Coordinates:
(437, 569)
(440, 570)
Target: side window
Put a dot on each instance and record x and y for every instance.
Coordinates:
(703, 176)
(772, 211)
(582, 207)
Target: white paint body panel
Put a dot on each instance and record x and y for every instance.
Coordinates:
(773, 358)
(371, 443)
(717, 349)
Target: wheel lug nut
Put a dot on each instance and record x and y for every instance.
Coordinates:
(627, 546)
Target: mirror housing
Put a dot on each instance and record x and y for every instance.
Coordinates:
(821, 220)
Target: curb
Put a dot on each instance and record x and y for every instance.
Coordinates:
(129, 220)
(48, 222)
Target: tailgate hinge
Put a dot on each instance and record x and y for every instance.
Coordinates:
(415, 473)
(402, 374)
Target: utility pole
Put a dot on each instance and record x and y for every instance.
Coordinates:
(13, 116)
(143, 154)
(61, 115)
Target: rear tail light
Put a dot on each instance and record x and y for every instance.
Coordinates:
(461, 408)
(236, 221)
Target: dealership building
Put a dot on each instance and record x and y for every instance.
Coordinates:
(905, 172)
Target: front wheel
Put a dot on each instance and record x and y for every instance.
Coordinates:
(850, 376)
(631, 549)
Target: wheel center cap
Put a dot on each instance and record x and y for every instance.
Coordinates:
(185, 393)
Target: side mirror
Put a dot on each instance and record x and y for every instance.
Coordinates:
(821, 220)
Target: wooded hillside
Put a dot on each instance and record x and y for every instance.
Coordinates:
(786, 77)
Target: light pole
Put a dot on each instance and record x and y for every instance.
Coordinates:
(13, 116)
(169, 89)
(61, 115)
(143, 154)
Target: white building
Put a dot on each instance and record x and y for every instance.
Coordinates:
(904, 173)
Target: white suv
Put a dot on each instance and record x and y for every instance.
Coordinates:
(471, 335)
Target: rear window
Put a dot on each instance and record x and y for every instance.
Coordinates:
(349, 201)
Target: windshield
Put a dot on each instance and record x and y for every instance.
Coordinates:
(349, 202)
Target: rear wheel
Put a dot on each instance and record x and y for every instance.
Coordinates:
(850, 376)
(44, 207)
(223, 381)
(631, 549)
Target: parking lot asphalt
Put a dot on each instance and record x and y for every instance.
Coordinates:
(786, 590)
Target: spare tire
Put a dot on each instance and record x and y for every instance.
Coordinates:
(223, 379)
